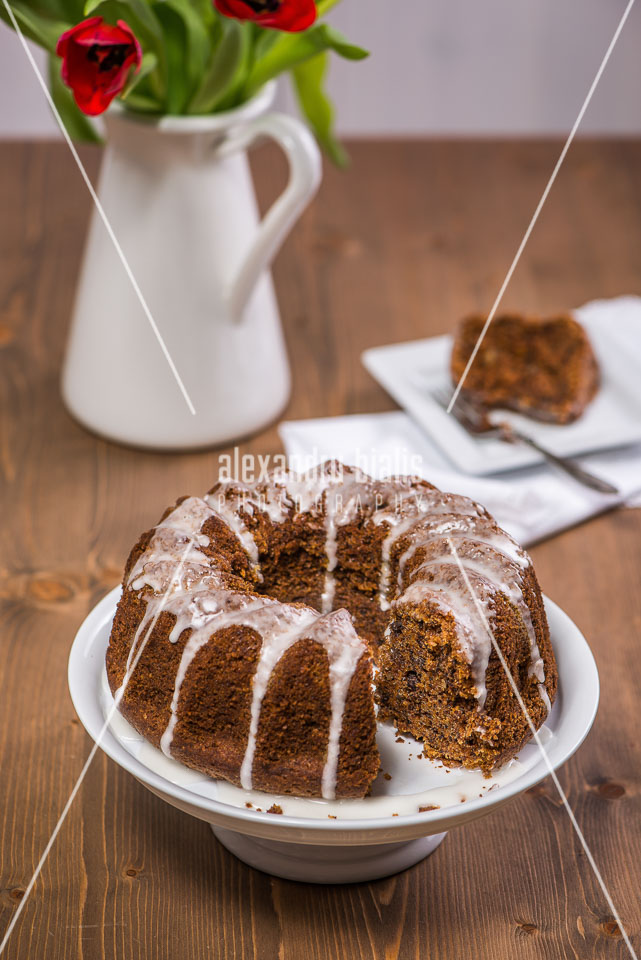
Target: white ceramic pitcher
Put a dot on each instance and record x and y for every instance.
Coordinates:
(179, 196)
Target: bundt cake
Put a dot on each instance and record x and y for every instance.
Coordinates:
(545, 369)
(242, 658)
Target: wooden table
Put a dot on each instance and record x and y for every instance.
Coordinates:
(399, 247)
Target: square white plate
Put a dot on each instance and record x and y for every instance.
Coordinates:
(410, 371)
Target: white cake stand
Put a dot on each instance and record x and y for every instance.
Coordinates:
(339, 841)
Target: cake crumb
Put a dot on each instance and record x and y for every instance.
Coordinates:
(399, 740)
(394, 814)
(387, 776)
(331, 816)
(249, 805)
(275, 808)
(429, 806)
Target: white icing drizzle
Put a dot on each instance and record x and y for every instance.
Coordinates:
(455, 526)
(331, 552)
(543, 693)
(304, 492)
(509, 581)
(228, 509)
(397, 528)
(169, 542)
(404, 517)
(342, 506)
(343, 660)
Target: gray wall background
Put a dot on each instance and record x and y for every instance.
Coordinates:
(452, 67)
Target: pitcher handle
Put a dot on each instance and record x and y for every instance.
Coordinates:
(304, 177)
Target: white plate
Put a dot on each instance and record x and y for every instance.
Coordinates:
(409, 371)
(320, 848)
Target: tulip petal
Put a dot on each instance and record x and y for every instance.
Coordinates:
(96, 60)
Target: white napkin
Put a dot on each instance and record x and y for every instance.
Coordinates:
(531, 505)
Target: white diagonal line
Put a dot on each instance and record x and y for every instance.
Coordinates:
(543, 751)
(109, 717)
(541, 203)
(100, 209)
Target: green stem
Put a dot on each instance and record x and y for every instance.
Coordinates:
(324, 6)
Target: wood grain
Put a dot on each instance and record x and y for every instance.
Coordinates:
(414, 235)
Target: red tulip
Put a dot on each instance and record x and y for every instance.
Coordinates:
(96, 59)
(281, 14)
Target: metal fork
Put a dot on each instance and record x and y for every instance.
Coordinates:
(474, 419)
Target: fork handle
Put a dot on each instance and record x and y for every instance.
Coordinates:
(569, 466)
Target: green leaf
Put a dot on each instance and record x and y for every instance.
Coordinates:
(235, 93)
(175, 43)
(43, 30)
(266, 39)
(63, 13)
(78, 126)
(309, 84)
(137, 14)
(70, 11)
(222, 70)
(196, 38)
(141, 103)
(292, 49)
(149, 62)
(340, 44)
(324, 6)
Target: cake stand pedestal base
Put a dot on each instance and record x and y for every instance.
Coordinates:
(317, 863)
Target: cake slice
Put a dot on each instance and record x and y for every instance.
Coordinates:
(459, 597)
(543, 368)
